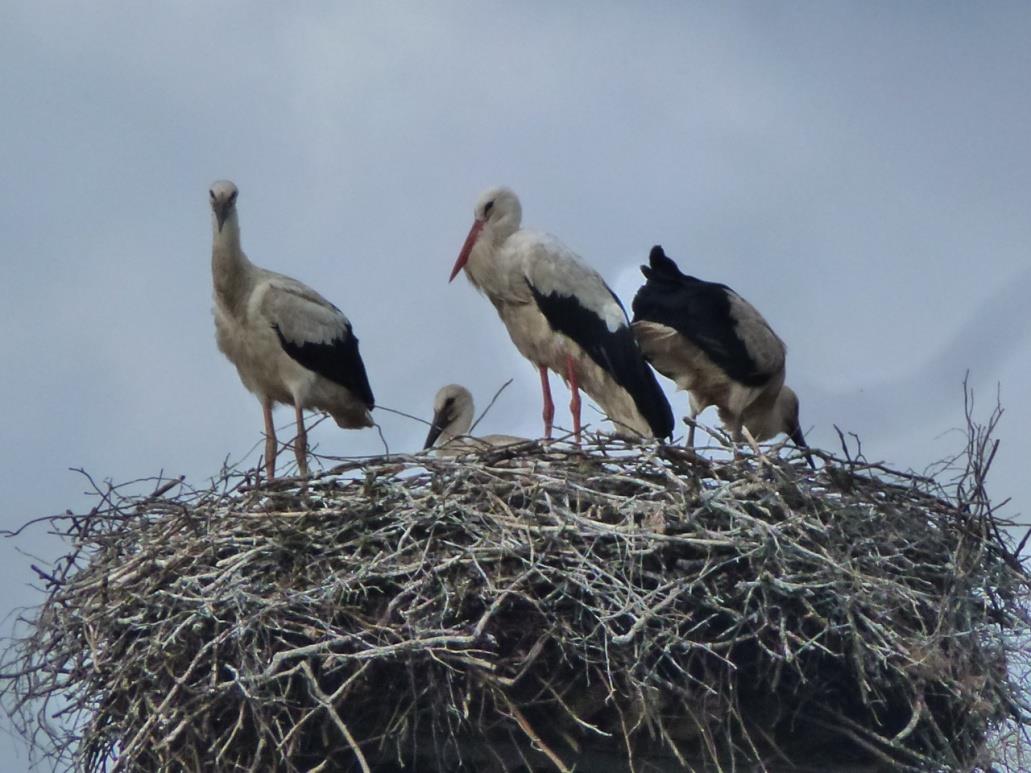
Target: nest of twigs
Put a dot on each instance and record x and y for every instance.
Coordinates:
(607, 608)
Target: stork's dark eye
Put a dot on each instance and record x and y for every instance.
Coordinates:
(488, 208)
(211, 193)
(448, 403)
(232, 196)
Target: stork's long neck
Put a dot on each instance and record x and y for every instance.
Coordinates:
(458, 426)
(765, 417)
(461, 424)
(230, 269)
(483, 268)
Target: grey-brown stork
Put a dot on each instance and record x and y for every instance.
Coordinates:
(562, 316)
(288, 343)
(453, 412)
(715, 345)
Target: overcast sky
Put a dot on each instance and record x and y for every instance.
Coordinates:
(861, 173)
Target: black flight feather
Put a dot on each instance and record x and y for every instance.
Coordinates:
(338, 361)
(615, 352)
(699, 311)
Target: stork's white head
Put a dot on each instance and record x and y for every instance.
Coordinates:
(452, 414)
(497, 216)
(223, 195)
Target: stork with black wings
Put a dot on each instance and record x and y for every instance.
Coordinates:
(716, 346)
(562, 317)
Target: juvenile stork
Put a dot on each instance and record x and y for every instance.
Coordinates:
(453, 412)
(288, 343)
(561, 316)
(716, 346)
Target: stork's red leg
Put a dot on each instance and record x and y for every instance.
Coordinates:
(549, 405)
(301, 443)
(270, 439)
(574, 402)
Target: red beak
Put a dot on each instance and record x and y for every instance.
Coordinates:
(470, 241)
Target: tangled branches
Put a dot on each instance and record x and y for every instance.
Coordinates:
(611, 607)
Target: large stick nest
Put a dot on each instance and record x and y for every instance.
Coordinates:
(608, 608)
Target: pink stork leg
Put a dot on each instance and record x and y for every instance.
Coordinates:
(549, 405)
(574, 402)
(301, 443)
(270, 439)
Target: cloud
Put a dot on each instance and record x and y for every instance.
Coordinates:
(860, 174)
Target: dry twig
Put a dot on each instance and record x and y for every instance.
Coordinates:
(612, 605)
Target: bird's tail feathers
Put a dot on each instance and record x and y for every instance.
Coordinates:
(660, 265)
(628, 368)
(356, 419)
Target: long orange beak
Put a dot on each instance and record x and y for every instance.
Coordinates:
(470, 242)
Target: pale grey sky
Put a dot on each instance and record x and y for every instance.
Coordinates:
(860, 172)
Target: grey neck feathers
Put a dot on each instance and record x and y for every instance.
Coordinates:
(230, 269)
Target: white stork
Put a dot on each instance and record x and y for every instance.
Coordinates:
(716, 346)
(453, 412)
(562, 316)
(289, 344)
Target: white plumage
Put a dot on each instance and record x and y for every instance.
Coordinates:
(561, 316)
(288, 343)
(453, 412)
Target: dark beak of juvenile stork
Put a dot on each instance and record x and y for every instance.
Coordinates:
(221, 212)
(799, 440)
(441, 419)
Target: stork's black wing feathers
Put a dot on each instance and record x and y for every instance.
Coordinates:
(699, 311)
(338, 360)
(616, 352)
